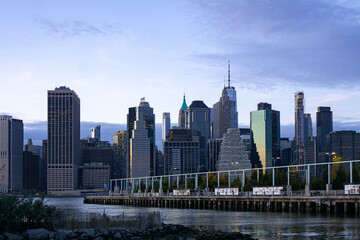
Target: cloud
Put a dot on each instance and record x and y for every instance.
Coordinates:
(307, 43)
(77, 28)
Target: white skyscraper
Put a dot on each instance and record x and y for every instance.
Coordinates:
(165, 125)
(11, 154)
(95, 132)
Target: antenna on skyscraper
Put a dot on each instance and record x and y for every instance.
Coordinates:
(229, 73)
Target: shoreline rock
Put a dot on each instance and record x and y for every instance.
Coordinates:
(163, 232)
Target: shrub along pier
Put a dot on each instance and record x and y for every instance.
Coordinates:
(318, 204)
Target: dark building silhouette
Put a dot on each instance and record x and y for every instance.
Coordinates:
(197, 118)
(345, 144)
(324, 125)
(119, 146)
(308, 130)
(43, 167)
(159, 158)
(311, 154)
(181, 152)
(63, 153)
(31, 171)
(213, 152)
(225, 113)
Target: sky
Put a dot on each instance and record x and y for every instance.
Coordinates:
(112, 53)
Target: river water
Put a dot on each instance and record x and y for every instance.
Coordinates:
(261, 225)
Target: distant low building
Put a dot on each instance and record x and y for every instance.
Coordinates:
(96, 175)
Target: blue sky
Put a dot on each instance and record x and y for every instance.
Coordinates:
(112, 53)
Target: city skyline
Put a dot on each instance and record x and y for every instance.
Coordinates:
(103, 53)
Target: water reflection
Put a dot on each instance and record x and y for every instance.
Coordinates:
(261, 225)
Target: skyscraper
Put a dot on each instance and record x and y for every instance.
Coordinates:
(63, 146)
(225, 113)
(181, 152)
(324, 125)
(147, 115)
(265, 128)
(308, 130)
(120, 143)
(139, 150)
(165, 125)
(11, 154)
(197, 118)
(299, 127)
(181, 119)
(95, 132)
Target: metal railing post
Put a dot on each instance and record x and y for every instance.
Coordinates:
(169, 182)
(146, 183)
(207, 180)
(152, 183)
(308, 175)
(288, 176)
(185, 181)
(229, 180)
(177, 182)
(273, 176)
(257, 177)
(218, 179)
(351, 173)
(160, 185)
(328, 173)
(196, 182)
(243, 179)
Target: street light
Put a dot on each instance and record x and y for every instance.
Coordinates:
(330, 154)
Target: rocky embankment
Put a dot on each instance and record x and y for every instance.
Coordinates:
(166, 232)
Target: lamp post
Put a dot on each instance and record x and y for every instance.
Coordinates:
(328, 185)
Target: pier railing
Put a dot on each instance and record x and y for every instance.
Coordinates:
(148, 183)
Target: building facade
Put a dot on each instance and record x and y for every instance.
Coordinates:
(233, 155)
(308, 129)
(225, 113)
(95, 132)
(11, 154)
(213, 152)
(324, 126)
(63, 143)
(345, 144)
(96, 175)
(265, 128)
(181, 152)
(119, 146)
(144, 113)
(166, 125)
(140, 150)
(299, 127)
(197, 118)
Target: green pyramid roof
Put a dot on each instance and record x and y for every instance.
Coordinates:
(184, 105)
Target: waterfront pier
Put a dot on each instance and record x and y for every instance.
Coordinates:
(318, 204)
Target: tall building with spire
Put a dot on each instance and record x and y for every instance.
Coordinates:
(225, 113)
(181, 119)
